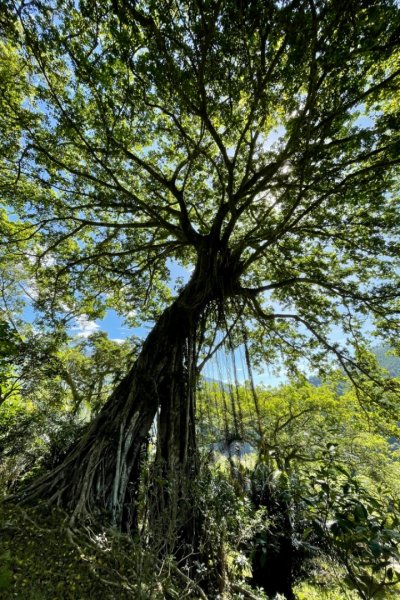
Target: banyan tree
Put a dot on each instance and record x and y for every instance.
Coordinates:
(254, 144)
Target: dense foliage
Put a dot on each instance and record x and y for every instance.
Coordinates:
(137, 135)
(322, 477)
(252, 147)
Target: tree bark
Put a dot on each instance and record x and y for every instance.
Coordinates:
(96, 476)
(172, 516)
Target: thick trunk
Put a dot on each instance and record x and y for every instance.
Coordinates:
(101, 474)
(275, 564)
(172, 517)
(96, 474)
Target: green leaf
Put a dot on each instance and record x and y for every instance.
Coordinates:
(6, 578)
(360, 512)
(375, 548)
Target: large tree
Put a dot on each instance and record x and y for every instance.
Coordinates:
(257, 142)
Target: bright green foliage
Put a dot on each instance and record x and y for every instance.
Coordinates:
(88, 369)
(360, 529)
(289, 427)
(58, 386)
(325, 473)
(9, 348)
(142, 134)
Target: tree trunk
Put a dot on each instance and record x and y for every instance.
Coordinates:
(95, 475)
(274, 564)
(172, 517)
(101, 474)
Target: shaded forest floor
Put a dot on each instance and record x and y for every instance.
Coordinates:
(41, 558)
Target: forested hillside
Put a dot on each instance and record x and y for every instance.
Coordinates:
(388, 360)
(193, 194)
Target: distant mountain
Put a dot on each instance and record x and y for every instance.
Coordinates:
(387, 361)
(315, 381)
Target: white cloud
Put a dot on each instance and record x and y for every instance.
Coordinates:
(118, 340)
(64, 306)
(84, 326)
(48, 260)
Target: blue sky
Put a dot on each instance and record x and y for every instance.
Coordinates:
(220, 368)
(223, 367)
(114, 325)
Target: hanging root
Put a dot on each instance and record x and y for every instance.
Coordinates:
(91, 546)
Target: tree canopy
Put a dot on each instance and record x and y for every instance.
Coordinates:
(144, 133)
(253, 144)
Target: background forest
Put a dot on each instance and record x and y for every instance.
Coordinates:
(300, 498)
(222, 178)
